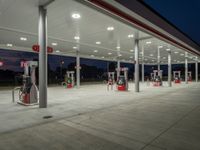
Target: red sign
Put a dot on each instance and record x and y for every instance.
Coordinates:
(1, 63)
(36, 48)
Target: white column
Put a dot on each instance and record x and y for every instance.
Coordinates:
(196, 69)
(186, 67)
(42, 36)
(143, 64)
(136, 49)
(118, 68)
(158, 58)
(77, 69)
(169, 69)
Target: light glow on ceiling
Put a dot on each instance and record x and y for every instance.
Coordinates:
(110, 28)
(74, 47)
(109, 53)
(54, 44)
(9, 45)
(130, 36)
(98, 42)
(76, 16)
(148, 42)
(77, 38)
(23, 38)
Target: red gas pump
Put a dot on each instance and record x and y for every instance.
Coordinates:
(177, 77)
(111, 80)
(122, 80)
(69, 79)
(28, 94)
(157, 78)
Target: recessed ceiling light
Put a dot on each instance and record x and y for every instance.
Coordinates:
(95, 51)
(176, 52)
(77, 38)
(23, 38)
(182, 54)
(98, 42)
(54, 44)
(151, 55)
(160, 46)
(168, 49)
(9, 45)
(102, 57)
(131, 50)
(57, 51)
(148, 42)
(119, 55)
(110, 28)
(92, 55)
(118, 47)
(130, 36)
(76, 16)
(109, 53)
(74, 47)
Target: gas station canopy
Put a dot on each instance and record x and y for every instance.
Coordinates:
(73, 25)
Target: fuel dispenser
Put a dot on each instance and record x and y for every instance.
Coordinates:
(189, 76)
(69, 79)
(122, 80)
(157, 78)
(28, 92)
(111, 80)
(177, 76)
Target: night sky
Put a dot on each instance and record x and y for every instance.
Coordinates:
(184, 14)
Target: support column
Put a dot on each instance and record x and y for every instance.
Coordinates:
(158, 58)
(77, 69)
(169, 69)
(196, 70)
(186, 67)
(136, 49)
(42, 36)
(118, 68)
(143, 64)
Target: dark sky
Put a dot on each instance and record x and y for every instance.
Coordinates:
(184, 14)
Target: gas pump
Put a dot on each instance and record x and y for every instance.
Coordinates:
(69, 79)
(122, 80)
(111, 80)
(177, 76)
(28, 93)
(189, 76)
(157, 78)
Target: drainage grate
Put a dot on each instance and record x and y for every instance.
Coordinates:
(47, 117)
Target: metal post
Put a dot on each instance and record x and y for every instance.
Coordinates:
(136, 48)
(42, 36)
(186, 68)
(77, 69)
(196, 69)
(143, 64)
(169, 69)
